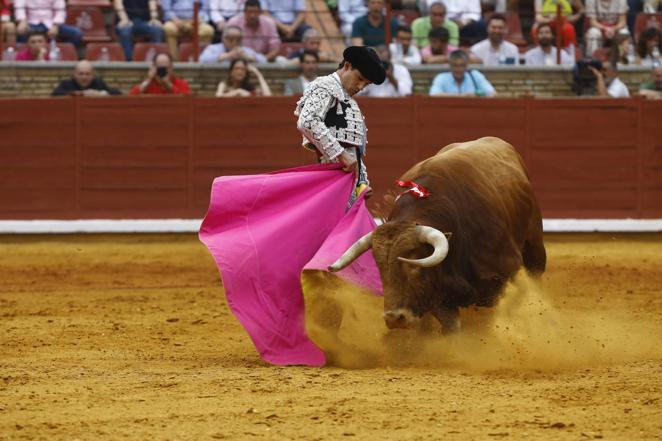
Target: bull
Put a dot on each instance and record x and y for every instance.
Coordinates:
(459, 246)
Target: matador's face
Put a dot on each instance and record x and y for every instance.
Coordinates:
(351, 79)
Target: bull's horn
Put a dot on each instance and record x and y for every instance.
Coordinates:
(435, 238)
(360, 246)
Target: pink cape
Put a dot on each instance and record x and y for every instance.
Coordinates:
(264, 230)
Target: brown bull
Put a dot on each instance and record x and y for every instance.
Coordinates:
(459, 246)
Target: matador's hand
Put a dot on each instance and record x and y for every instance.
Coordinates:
(349, 162)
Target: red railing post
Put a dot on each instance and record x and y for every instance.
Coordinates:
(196, 25)
(387, 24)
(559, 26)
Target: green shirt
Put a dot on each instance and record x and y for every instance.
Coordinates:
(372, 36)
(649, 85)
(422, 26)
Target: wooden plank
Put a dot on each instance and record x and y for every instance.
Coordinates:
(138, 178)
(135, 200)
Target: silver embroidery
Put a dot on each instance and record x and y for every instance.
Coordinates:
(319, 97)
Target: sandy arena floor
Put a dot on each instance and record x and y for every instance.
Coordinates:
(129, 337)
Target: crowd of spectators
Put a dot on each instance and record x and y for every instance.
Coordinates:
(462, 34)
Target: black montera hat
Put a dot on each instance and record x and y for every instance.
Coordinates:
(365, 59)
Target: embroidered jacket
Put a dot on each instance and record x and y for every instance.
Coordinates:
(327, 117)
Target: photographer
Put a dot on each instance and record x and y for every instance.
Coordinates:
(607, 82)
(161, 79)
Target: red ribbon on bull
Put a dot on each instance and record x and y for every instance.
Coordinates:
(413, 188)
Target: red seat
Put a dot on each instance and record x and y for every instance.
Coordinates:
(115, 52)
(406, 16)
(644, 21)
(67, 52)
(287, 49)
(89, 20)
(186, 51)
(602, 53)
(141, 50)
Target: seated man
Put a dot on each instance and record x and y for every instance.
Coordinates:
(309, 63)
(653, 89)
(179, 21)
(467, 15)
(8, 34)
(137, 17)
(46, 16)
(161, 79)
(221, 11)
(545, 53)
(84, 82)
(460, 81)
(495, 49)
(606, 19)
(312, 40)
(368, 30)
(398, 82)
(259, 31)
(422, 26)
(36, 48)
(438, 50)
(348, 12)
(289, 17)
(230, 49)
(571, 12)
(402, 50)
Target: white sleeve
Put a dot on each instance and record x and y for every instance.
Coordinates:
(311, 122)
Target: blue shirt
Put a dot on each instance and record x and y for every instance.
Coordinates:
(213, 51)
(445, 83)
(372, 36)
(285, 11)
(183, 9)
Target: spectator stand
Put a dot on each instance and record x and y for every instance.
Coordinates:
(644, 21)
(113, 52)
(90, 20)
(319, 16)
(146, 51)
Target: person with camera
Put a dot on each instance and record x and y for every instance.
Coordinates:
(607, 83)
(161, 79)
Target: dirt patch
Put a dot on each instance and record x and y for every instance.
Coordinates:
(129, 336)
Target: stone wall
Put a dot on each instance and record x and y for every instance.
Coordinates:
(39, 79)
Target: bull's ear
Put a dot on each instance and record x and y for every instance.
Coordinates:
(448, 235)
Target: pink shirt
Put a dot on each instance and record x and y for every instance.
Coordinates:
(48, 12)
(427, 51)
(263, 39)
(26, 55)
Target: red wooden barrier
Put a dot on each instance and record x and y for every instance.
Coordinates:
(155, 157)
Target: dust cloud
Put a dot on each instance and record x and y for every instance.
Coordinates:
(525, 331)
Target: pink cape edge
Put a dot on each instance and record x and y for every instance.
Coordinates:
(264, 230)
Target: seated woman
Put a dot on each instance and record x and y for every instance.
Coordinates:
(649, 47)
(571, 12)
(238, 82)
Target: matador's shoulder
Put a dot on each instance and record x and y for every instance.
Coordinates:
(326, 83)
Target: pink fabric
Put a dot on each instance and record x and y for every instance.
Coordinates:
(263, 230)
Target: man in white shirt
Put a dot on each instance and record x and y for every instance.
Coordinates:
(348, 11)
(221, 11)
(495, 49)
(467, 15)
(545, 53)
(607, 82)
(402, 50)
(398, 81)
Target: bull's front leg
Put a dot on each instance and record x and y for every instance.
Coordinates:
(449, 317)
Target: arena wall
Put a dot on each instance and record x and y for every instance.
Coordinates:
(156, 157)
